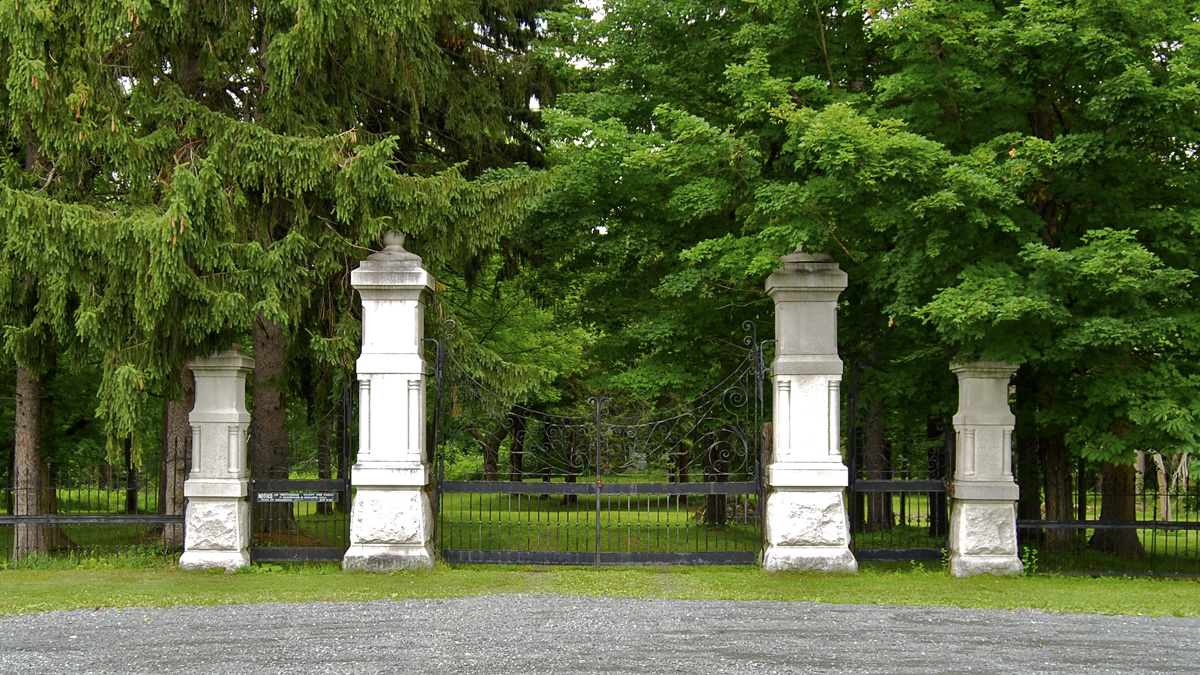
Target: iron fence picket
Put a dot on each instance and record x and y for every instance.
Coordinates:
(609, 487)
(1158, 542)
(299, 518)
(86, 512)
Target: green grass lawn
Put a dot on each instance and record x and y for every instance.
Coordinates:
(23, 591)
(1167, 553)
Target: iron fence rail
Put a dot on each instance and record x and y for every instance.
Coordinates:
(302, 514)
(114, 511)
(1157, 541)
(610, 487)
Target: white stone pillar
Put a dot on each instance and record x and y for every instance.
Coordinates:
(983, 521)
(218, 516)
(391, 522)
(806, 523)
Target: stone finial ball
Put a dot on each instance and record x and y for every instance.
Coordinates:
(393, 238)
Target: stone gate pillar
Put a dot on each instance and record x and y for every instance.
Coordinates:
(217, 532)
(391, 522)
(983, 522)
(806, 523)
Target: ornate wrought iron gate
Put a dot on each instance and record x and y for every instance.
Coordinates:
(897, 501)
(519, 485)
(305, 515)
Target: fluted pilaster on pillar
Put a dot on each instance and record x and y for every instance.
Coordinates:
(983, 522)
(806, 523)
(217, 532)
(391, 522)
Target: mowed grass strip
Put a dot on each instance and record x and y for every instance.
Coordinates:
(35, 590)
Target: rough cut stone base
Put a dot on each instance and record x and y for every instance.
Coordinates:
(971, 565)
(217, 525)
(382, 558)
(217, 535)
(826, 559)
(211, 560)
(807, 530)
(807, 518)
(390, 529)
(983, 538)
(391, 516)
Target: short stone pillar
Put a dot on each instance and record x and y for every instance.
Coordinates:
(391, 522)
(806, 523)
(218, 516)
(983, 521)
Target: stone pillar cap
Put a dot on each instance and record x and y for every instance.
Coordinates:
(233, 357)
(814, 276)
(994, 369)
(800, 256)
(393, 251)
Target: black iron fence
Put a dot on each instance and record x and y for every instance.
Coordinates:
(611, 486)
(300, 493)
(897, 499)
(108, 510)
(1112, 521)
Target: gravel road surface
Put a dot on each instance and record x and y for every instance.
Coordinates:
(560, 634)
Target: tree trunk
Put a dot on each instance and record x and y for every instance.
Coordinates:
(177, 455)
(677, 472)
(1028, 465)
(6, 487)
(1144, 480)
(516, 455)
(1081, 490)
(491, 450)
(29, 474)
(50, 478)
(268, 426)
(1029, 478)
(131, 480)
(768, 448)
(1118, 502)
(1164, 495)
(878, 467)
(325, 459)
(1180, 476)
(491, 455)
(344, 440)
(1056, 465)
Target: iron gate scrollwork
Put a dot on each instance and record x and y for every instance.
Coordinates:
(610, 486)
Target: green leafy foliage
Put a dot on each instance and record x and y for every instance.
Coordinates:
(1008, 180)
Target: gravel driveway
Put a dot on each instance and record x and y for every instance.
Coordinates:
(559, 634)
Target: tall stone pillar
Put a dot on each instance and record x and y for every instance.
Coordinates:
(983, 522)
(218, 516)
(806, 523)
(391, 522)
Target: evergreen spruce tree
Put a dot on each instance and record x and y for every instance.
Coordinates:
(203, 168)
